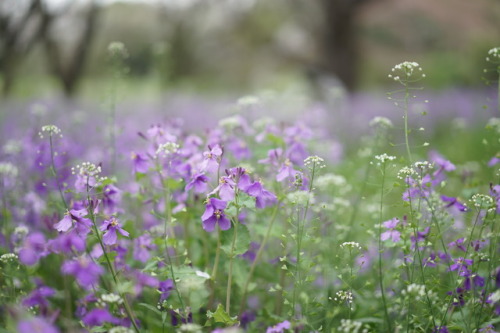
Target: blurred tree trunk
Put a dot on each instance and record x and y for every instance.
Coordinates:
(69, 68)
(332, 27)
(17, 39)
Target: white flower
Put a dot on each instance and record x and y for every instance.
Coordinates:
(494, 54)
(314, 162)
(167, 148)
(300, 197)
(51, 130)
(384, 158)
(382, 122)
(8, 170)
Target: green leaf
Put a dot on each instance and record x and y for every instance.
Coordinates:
(242, 240)
(246, 201)
(152, 308)
(220, 316)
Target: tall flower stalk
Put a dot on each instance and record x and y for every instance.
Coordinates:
(406, 73)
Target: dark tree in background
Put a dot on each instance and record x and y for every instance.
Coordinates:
(68, 54)
(21, 27)
(331, 26)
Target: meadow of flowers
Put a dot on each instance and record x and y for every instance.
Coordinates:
(250, 225)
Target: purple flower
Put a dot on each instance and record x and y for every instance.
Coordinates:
(440, 329)
(252, 252)
(263, 197)
(280, 327)
(453, 202)
(212, 159)
(488, 329)
(286, 171)
(33, 249)
(38, 297)
(140, 162)
(36, 325)
(392, 233)
(97, 317)
(142, 246)
(165, 288)
(111, 198)
(214, 214)
(84, 270)
(459, 244)
(226, 188)
(199, 183)
(110, 227)
(68, 242)
(461, 265)
(83, 225)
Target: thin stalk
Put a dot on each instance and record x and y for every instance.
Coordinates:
(230, 272)
(257, 258)
(128, 310)
(214, 270)
(407, 96)
(54, 172)
(168, 220)
(381, 283)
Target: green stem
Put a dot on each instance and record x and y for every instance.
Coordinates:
(407, 143)
(230, 272)
(381, 283)
(257, 258)
(54, 172)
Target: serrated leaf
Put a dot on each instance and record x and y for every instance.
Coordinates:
(220, 316)
(241, 243)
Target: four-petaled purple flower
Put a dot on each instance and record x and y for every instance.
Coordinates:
(461, 265)
(110, 227)
(214, 214)
(392, 233)
(82, 223)
(212, 159)
(198, 183)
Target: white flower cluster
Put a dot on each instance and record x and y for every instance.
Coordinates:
(494, 297)
(300, 197)
(493, 54)
(494, 124)
(406, 172)
(247, 101)
(8, 257)
(12, 147)
(482, 201)
(352, 326)
(330, 180)
(111, 298)
(86, 169)
(167, 148)
(350, 245)
(343, 296)
(384, 158)
(230, 123)
(423, 165)
(381, 122)
(117, 49)
(50, 130)
(409, 69)
(21, 231)
(414, 290)
(190, 328)
(314, 162)
(8, 170)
